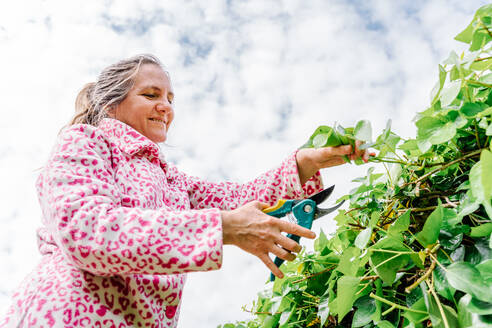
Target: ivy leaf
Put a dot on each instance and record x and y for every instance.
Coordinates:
(363, 131)
(468, 319)
(385, 324)
(471, 109)
(481, 180)
(349, 261)
(483, 230)
(323, 307)
(436, 316)
(479, 307)
(363, 238)
(466, 277)
(435, 130)
(284, 318)
(365, 308)
(485, 269)
(321, 242)
(320, 140)
(442, 285)
(432, 226)
(386, 264)
(449, 93)
(346, 295)
(401, 224)
(416, 317)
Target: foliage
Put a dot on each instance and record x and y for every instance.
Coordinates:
(414, 247)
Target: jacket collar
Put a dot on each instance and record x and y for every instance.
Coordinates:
(129, 140)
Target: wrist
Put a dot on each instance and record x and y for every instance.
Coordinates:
(306, 167)
(226, 236)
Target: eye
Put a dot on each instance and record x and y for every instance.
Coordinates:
(149, 95)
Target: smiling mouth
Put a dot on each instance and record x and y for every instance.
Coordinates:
(157, 120)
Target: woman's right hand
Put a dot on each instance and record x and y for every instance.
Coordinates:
(259, 234)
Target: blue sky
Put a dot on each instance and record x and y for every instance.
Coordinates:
(252, 79)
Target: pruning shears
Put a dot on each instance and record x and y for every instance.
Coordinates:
(302, 212)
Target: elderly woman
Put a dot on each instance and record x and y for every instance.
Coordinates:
(121, 226)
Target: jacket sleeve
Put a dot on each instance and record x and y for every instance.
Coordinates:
(82, 210)
(281, 182)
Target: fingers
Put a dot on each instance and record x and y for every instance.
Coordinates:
(288, 244)
(336, 151)
(296, 229)
(270, 265)
(282, 253)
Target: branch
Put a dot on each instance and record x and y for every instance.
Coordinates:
(425, 176)
(429, 208)
(424, 276)
(398, 306)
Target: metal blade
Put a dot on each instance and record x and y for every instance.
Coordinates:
(322, 195)
(324, 211)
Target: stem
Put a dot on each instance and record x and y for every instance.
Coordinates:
(485, 27)
(476, 135)
(388, 310)
(423, 209)
(398, 306)
(439, 305)
(356, 209)
(392, 251)
(425, 176)
(486, 85)
(484, 58)
(424, 276)
(313, 275)
(377, 266)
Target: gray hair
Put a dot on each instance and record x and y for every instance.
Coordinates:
(110, 89)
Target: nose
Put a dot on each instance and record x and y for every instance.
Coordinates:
(163, 106)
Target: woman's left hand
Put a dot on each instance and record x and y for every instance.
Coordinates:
(311, 160)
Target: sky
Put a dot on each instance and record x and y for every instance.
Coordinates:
(252, 80)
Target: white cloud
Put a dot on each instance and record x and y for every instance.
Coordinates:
(252, 78)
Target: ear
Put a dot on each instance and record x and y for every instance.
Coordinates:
(111, 111)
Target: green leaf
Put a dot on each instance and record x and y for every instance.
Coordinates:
(321, 242)
(416, 317)
(468, 319)
(471, 109)
(349, 261)
(385, 324)
(363, 238)
(376, 316)
(437, 317)
(434, 130)
(284, 318)
(485, 269)
(363, 131)
(479, 307)
(450, 92)
(465, 277)
(432, 226)
(481, 180)
(346, 289)
(443, 288)
(401, 224)
(320, 140)
(482, 230)
(365, 308)
(323, 308)
(386, 264)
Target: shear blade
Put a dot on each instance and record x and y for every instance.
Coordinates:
(324, 211)
(322, 195)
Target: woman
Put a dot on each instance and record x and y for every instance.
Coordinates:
(121, 226)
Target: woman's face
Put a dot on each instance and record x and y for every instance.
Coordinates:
(148, 106)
